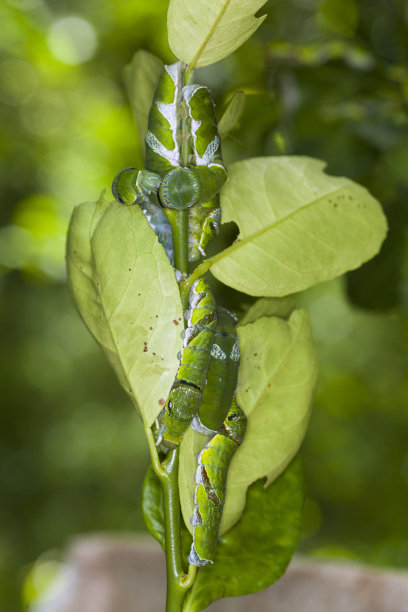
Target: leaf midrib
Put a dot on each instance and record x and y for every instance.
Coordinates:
(209, 35)
(208, 263)
(99, 296)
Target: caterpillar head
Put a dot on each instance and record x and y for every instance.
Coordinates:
(211, 228)
(131, 186)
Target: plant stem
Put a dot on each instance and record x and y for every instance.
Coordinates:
(153, 454)
(176, 589)
(178, 582)
(178, 220)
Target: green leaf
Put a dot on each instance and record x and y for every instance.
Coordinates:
(127, 294)
(141, 78)
(298, 226)
(152, 506)
(269, 307)
(205, 31)
(276, 379)
(233, 113)
(256, 551)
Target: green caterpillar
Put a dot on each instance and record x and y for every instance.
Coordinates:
(211, 479)
(185, 395)
(205, 218)
(131, 186)
(184, 149)
(203, 226)
(222, 375)
(163, 138)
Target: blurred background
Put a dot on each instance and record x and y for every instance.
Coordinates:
(324, 78)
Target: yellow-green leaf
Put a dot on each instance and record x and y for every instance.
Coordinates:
(232, 114)
(269, 307)
(257, 550)
(205, 31)
(127, 294)
(298, 226)
(141, 78)
(277, 375)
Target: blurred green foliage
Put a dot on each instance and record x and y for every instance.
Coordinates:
(323, 78)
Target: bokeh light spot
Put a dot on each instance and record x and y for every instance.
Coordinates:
(72, 40)
(44, 579)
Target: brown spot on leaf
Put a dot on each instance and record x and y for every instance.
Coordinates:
(150, 328)
(145, 347)
(175, 322)
(161, 402)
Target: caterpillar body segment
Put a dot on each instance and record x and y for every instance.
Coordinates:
(222, 374)
(163, 138)
(203, 126)
(205, 217)
(211, 480)
(160, 225)
(185, 395)
(206, 143)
